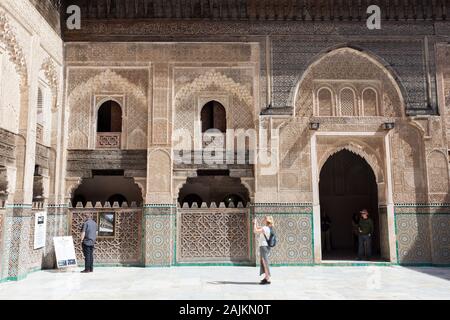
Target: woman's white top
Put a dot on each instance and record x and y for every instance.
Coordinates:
(262, 240)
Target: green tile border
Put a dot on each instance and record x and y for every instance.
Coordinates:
(174, 238)
(281, 204)
(21, 276)
(215, 264)
(407, 205)
(107, 265)
(396, 235)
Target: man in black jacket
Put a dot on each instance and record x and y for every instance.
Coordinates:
(365, 232)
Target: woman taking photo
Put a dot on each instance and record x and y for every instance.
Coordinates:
(264, 249)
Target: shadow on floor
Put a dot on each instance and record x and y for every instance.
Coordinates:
(233, 282)
(435, 271)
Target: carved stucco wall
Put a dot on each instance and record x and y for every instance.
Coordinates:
(340, 68)
(447, 101)
(295, 164)
(13, 73)
(30, 52)
(86, 84)
(353, 69)
(408, 167)
(9, 95)
(232, 87)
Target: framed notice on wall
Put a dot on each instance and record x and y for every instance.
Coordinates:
(65, 252)
(40, 229)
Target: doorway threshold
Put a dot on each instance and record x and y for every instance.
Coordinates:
(354, 263)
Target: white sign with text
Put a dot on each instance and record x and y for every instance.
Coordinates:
(65, 252)
(40, 229)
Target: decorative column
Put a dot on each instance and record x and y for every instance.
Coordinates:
(159, 209)
(19, 221)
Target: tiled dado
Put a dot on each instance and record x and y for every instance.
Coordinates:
(293, 224)
(423, 233)
(159, 235)
(19, 257)
(2, 259)
(294, 229)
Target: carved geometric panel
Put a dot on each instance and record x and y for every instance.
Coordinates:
(369, 99)
(213, 235)
(325, 102)
(437, 172)
(124, 247)
(347, 100)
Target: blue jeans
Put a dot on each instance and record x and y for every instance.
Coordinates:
(364, 245)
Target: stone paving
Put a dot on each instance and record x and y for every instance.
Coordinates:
(213, 283)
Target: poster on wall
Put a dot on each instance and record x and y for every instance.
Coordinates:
(40, 229)
(65, 252)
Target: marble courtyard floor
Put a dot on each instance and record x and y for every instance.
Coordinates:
(191, 283)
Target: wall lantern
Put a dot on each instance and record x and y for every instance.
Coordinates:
(314, 125)
(388, 125)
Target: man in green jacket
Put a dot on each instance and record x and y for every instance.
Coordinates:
(365, 232)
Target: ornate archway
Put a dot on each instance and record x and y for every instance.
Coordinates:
(347, 67)
(347, 185)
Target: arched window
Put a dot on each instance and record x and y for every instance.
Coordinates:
(370, 103)
(109, 117)
(325, 98)
(213, 116)
(347, 102)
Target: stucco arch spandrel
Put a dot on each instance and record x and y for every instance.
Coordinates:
(51, 74)
(348, 64)
(15, 51)
(72, 184)
(249, 184)
(141, 183)
(106, 81)
(178, 184)
(360, 149)
(213, 78)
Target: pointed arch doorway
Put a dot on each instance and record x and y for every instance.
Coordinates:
(347, 185)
